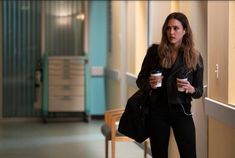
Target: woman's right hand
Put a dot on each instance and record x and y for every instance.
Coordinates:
(153, 80)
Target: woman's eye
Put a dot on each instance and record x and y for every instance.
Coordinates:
(176, 28)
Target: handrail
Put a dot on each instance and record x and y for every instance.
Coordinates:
(220, 111)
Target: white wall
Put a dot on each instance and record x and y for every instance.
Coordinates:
(158, 12)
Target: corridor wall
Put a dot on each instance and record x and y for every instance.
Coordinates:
(220, 106)
(97, 55)
(126, 69)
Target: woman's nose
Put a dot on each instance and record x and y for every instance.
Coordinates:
(172, 31)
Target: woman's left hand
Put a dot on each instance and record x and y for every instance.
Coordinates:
(186, 85)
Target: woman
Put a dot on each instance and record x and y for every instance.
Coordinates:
(171, 108)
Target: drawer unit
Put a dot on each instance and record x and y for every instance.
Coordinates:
(66, 84)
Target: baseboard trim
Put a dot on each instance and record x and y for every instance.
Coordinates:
(20, 119)
(50, 118)
(97, 117)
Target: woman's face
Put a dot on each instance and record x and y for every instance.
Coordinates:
(175, 32)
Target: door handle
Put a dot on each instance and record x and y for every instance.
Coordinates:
(217, 70)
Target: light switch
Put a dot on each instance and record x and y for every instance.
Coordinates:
(97, 71)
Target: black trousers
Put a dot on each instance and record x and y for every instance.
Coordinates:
(183, 128)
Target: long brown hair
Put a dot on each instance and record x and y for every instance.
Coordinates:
(187, 47)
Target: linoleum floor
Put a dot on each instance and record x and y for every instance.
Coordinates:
(23, 139)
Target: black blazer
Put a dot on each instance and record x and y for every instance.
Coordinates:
(151, 61)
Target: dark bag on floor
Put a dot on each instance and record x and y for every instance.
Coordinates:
(134, 120)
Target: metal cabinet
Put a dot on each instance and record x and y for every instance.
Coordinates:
(65, 84)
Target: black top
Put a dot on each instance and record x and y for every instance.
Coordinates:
(168, 93)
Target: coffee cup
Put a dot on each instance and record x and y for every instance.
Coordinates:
(157, 73)
(180, 89)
